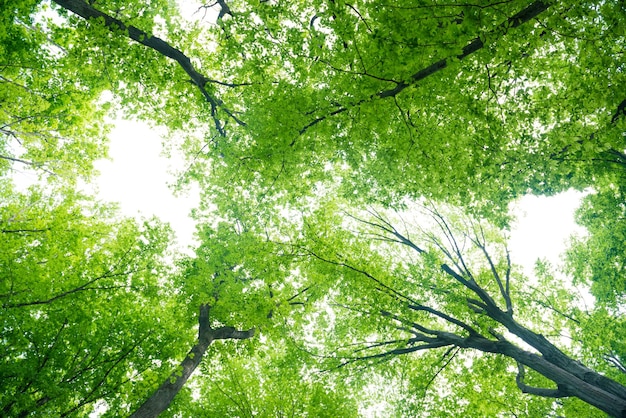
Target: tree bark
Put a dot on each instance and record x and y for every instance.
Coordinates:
(555, 356)
(569, 375)
(163, 396)
(567, 382)
(548, 350)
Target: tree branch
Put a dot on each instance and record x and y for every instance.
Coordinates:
(474, 45)
(445, 317)
(89, 398)
(387, 227)
(544, 392)
(621, 110)
(479, 291)
(29, 163)
(82, 288)
(613, 360)
(431, 344)
(504, 292)
(88, 12)
(387, 289)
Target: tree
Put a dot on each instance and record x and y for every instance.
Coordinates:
(88, 309)
(476, 104)
(401, 290)
(80, 320)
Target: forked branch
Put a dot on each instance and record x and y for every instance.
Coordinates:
(544, 392)
(163, 396)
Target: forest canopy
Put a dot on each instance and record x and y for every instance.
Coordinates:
(356, 163)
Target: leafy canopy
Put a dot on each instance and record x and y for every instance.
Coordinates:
(313, 128)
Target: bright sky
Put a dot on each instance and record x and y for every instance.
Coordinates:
(543, 228)
(138, 175)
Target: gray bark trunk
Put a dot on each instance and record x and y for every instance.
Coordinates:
(591, 389)
(163, 396)
(571, 377)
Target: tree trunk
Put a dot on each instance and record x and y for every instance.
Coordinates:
(571, 377)
(568, 383)
(163, 396)
(555, 356)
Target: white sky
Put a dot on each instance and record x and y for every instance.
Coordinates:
(543, 227)
(138, 175)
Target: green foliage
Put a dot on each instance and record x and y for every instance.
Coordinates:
(50, 118)
(309, 113)
(270, 384)
(598, 260)
(233, 271)
(83, 311)
(333, 98)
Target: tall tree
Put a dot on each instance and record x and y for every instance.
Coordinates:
(90, 318)
(80, 318)
(400, 288)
